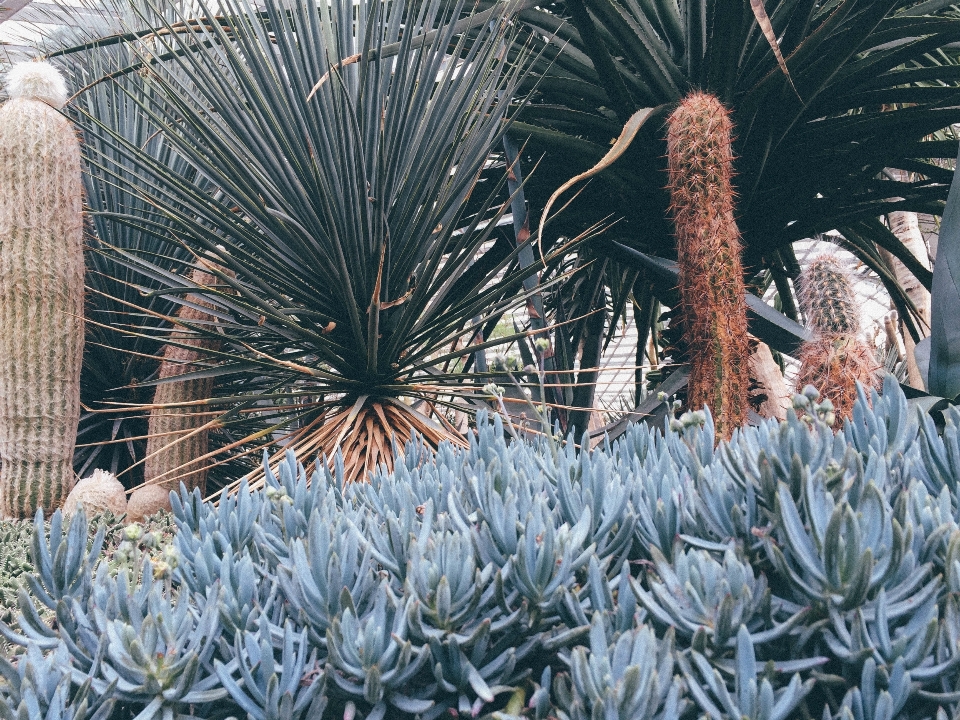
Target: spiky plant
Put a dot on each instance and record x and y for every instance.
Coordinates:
(836, 359)
(827, 298)
(41, 292)
(359, 263)
(812, 149)
(120, 360)
(708, 252)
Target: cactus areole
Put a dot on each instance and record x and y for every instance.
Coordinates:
(712, 293)
(41, 292)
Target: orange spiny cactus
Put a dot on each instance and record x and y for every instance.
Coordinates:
(712, 292)
(836, 359)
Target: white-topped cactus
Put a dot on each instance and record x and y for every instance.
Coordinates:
(41, 291)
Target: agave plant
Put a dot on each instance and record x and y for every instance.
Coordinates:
(848, 554)
(376, 659)
(41, 687)
(697, 594)
(753, 697)
(342, 162)
(870, 701)
(267, 690)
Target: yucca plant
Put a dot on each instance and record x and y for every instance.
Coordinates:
(349, 198)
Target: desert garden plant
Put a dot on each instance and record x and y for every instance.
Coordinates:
(358, 236)
(823, 97)
(178, 432)
(120, 359)
(525, 579)
(836, 358)
(708, 251)
(41, 292)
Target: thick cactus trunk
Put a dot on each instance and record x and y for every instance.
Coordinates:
(175, 444)
(836, 359)
(41, 293)
(712, 293)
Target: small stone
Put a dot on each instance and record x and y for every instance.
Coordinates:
(101, 491)
(147, 500)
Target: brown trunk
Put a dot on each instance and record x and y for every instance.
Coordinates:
(906, 227)
(768, 392)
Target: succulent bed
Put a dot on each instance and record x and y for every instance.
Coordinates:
(119, 549)
(793, 572)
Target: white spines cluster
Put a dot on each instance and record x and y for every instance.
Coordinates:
(37, 81)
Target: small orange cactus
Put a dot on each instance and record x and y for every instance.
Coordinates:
(836, 359)
(712, 293)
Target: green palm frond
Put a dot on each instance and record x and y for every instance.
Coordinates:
(869, 82)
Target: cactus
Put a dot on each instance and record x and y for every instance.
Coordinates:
(175, 439)
(41, 292)
(836, 359)
(712, 294)
(827, 298)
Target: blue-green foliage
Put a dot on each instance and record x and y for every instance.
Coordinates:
(793, 572)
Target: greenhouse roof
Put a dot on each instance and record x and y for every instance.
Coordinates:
(23, 20)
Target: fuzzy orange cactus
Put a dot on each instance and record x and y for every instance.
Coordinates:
(712, 293)
(836, 359)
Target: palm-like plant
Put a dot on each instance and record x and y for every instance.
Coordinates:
(854, 88)
(336, 157)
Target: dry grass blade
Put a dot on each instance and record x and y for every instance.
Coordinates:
(629, 132)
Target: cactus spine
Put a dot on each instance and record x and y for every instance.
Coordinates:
(175, 441)
(41, 292)
(712, 293)
(836, 358)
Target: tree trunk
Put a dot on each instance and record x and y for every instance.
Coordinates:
(767, 380)
(585, 389)
(907, 229)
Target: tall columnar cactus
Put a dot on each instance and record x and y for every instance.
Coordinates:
(175, 442)
(836, 358)
(712, 293)
(41, 292)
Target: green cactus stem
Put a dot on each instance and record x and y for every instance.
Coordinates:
(836, 359)
(41, 292)
(712, 293)
(176, 442)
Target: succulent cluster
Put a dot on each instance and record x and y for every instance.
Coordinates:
(16, 540)
(792, 572)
